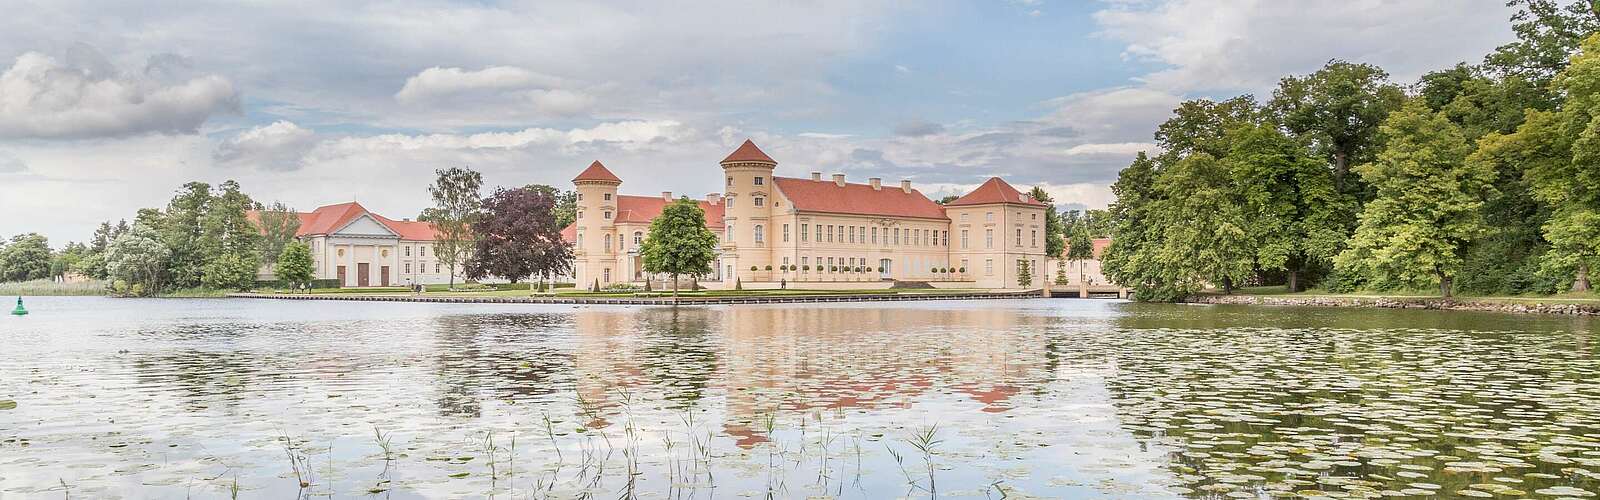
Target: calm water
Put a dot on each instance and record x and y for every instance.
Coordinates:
(1041, 398)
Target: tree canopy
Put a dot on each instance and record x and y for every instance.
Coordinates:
(679, 242)
(456, 206)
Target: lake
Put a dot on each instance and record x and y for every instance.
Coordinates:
(219, 398)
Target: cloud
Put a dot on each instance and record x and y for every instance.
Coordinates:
(280, 146)
(1247, 45)
(11, 164)
(918, 129)
(437, 83)
(84, 97)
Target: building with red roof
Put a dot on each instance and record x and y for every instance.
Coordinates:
(361, 248)
(816, 230)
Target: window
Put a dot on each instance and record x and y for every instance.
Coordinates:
(819, 237)
(607, 275)
(964, 244)
(988, 238)
(580, 214)
(963, 265)
(760, 236)
(805, 261)
(731, 233)
(830, 261)
(408, 268)
(785, 262)
(760, 180)
(607, 215)
(805, 234)
(580, 239)
(988, 267)
(916, 235)
(638, 237)
(852, 233)
(897, 236)
(759, 201)
(1036, 237)
(408, 251)
(963, 217)
(435, 268)
(1019, 237)
(874, 235)
(786, 238)
(608, 196)
(608, 243)
(840, 233)
(830, 233)
(730, 181)
(988, 216)
(729, 201)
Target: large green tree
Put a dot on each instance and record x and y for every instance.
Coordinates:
(182, 229)
(138, 259)
(279, 223)
(679, 242)
(230, 243)
(1179, 227)
(27, 257)
(456, 206)
(1295, 216)
(1080, 248)
(1548, 32)
(1337, 110)
(295, 265)
(1427, 205)
(1054, 239)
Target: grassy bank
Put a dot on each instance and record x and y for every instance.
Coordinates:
(48, 287)
(1585, 298)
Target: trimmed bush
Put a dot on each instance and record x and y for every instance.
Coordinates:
(769, 267)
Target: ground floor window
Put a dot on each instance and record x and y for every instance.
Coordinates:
(988, 267)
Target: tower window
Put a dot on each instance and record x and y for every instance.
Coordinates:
(608, 196)
(760, 180)
(759, 201)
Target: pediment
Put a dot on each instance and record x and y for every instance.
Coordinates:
(365, 225)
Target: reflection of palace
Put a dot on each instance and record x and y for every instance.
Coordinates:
(763, 361)
(844, 234)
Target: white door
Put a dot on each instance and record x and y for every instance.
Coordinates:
(884, 269)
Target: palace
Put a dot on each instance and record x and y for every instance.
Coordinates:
(828, 231)
(360, 248)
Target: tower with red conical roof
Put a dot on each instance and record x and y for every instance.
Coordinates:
(594, 252)
(748, 184)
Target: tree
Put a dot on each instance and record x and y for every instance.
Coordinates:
(518, 236)
(279, 223)
(26, 258)
(946, 199)
(679, 242)
(294, 264)
(566, 203)
(230, 243)
(1080, 249)
(1337, 110)
(69, 260)
(1547, 33)
(182, 231)
(456, 205)
(1129, 260)
(1024, 273)
(137, 259)
(1202, 125)
(1426, 208)
(1295, 216)
(1053, 241)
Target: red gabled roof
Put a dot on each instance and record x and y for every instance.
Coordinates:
(643, 209)
(748, 152)
(857, 199)
(994, 190)
(327, 219)
(596, 172)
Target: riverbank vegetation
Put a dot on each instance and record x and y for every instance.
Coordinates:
(1475, 179)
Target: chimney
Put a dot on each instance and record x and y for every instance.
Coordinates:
(666, 195)
(714, 198)
(405, 219)
(816, 176)
(905, 185)
(838, 180)
(877, 183)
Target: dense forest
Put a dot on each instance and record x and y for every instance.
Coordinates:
(1480, 178)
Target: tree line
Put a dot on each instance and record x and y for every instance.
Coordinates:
(1480, 178)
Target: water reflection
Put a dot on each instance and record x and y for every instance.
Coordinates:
(1076, 399)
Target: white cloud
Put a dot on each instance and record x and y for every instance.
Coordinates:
(10, 164)
(279, 146)
(435, 83)
(41, 97)
(1247, 45)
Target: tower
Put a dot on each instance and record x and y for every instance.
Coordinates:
(748, 183)
(594, 252)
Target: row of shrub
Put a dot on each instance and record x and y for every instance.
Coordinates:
(317, 283)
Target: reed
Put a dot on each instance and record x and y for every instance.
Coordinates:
(52, 288)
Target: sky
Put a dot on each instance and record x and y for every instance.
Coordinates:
(108, 107)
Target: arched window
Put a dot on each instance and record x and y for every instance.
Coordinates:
(608, 243)
(638, 236)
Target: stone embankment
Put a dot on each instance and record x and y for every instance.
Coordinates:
(1405, 303)
(659, 300)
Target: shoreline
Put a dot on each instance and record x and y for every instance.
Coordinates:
(665, 301)
(1381, 302)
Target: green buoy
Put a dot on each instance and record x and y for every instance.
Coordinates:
(19, 311)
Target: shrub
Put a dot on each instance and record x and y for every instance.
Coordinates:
(806, 267)
(934, 270)
(753, 268)
(963, 270)
(621, 287)
(769, 267)
(833, 268)
(880, 269)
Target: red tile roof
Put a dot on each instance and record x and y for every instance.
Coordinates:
(1100, 245)
(994, 190)
(643, 209)
(596, 172)
(327, 219)
(857, 199)
(748, 152)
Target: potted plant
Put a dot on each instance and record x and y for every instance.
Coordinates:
(769, 267)
(754, 268)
